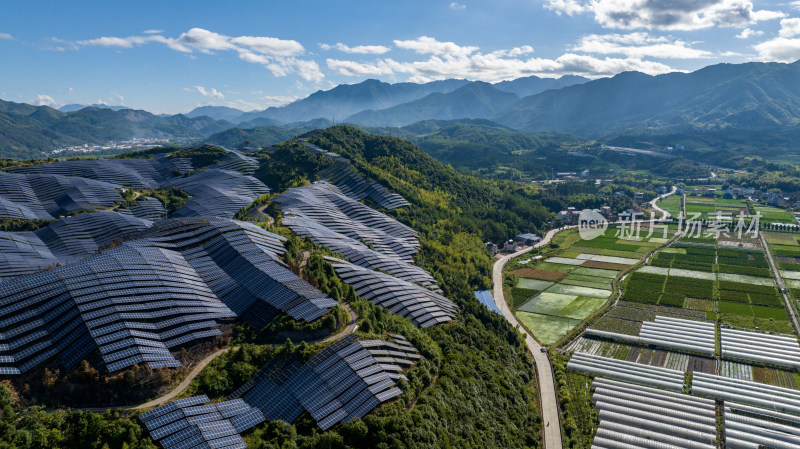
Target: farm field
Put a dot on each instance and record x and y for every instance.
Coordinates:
(671, 204)
(726, 284)
(775, 215)
(549, 329)
(556, 293)
(708, 206)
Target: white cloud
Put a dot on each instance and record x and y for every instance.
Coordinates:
(780, 49)
(428, 45)
(450, 60)
(568, 7)
(457, 6)
(785, 47)
(747, 33)
(153, 31)
(795, 4)
(492, 68)
(516, 51)
(359, 49)
(270, 45)
(6, 36)
(211, 92)
(639, 45)
(666, 14)
(277, 55)
(113, 99)
(44, 100)
(353, 68)
(790, 27)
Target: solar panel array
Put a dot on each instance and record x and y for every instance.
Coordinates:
(359, 253)
(136, 173)
(322, 204)
(233, 160)
(187, 423)
(241, 264)
(46, 196)
(146, 207)
(167, 286)
(217, 192)
(422, 306)
(345, 381)
(63, 241)
(352, 184)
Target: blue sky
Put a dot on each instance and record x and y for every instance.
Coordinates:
(173, 56)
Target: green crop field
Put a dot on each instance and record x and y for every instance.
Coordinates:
(671, 204)
(735, 308)
(547, 303)
(775, 238)
(547, 329)
(775, 215)
(535, 284)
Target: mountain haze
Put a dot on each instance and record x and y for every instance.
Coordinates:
(474, 100)
(347, 99)
(752, 95)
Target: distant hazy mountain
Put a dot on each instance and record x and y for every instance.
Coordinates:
(260, 121)
(473, 100)
(743, 96)
(216, 112)
(27, 131)
(533, 85)
(77, 107)
(347, 99)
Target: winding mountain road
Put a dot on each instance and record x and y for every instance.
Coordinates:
(175, 392)
(544, 372)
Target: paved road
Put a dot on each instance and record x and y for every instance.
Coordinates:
(781, 284)
(544, 372)
(175, 392)
(654, 206)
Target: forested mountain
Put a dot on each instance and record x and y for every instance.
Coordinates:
(473, 100)
(744, 96)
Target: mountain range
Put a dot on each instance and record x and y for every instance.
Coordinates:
(751, 96)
